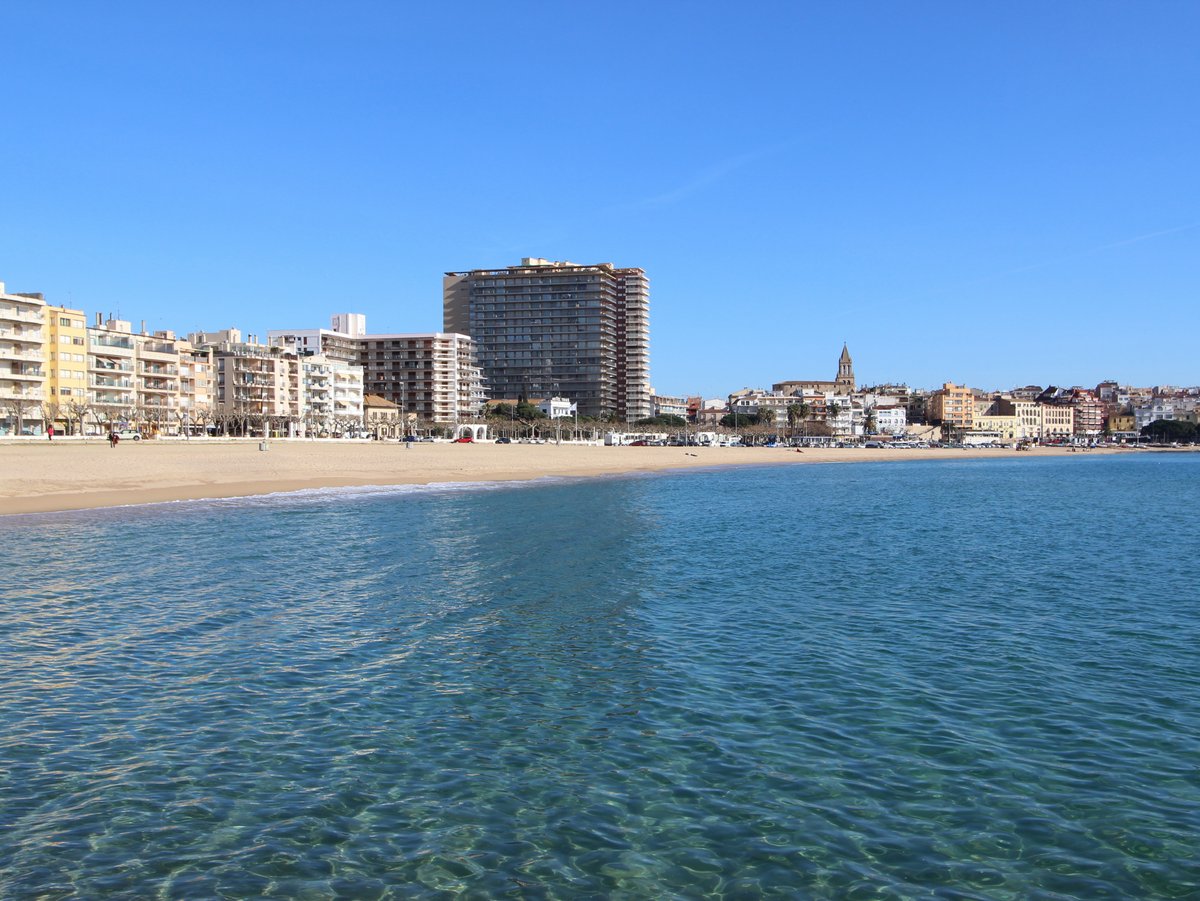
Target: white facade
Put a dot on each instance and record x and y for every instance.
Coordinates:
(557, 408)
(332, 396)
(22, 353)
(891, 420)
(669, 406)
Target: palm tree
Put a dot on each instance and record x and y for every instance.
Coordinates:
(832, 410)
(793, 416)
(869, 420)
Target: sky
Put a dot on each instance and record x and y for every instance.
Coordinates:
(991, 194)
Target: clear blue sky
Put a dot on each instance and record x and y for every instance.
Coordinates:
(994, 194)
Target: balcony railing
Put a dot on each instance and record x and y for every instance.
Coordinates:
(119, 343)
(22, 372)
(19, 392)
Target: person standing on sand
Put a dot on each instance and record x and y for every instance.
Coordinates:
(50, 433)
(112, 439)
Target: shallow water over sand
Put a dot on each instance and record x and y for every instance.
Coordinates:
(857, 681)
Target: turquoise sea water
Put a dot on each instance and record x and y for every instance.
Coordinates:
(951, 680)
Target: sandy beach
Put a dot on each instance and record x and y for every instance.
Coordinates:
(38, 477)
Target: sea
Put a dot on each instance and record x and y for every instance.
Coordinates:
(974, 679)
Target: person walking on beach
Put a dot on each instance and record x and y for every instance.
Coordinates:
(112, 439)
(50, 433)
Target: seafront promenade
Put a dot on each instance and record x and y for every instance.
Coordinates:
(39, 477)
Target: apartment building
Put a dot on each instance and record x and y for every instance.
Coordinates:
(256, 386)
(340, 342)
(197, 386)
(432, 375)
(665, 405)
(952, 405)
(332, 395)
(546, 328)
(1087, 419)
(66, 386)
(22, 355)
(112, 367)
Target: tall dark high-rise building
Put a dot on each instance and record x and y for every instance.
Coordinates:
(545, 329)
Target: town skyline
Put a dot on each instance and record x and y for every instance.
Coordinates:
(963, 193)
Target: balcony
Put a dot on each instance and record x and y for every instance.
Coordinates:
(115, 398)
(158, 388)
(97, 365)
(23, 372)
(14, 354)
(20, 314)
(117, 345)
(156, 349)
(19, 392)
(101, 382)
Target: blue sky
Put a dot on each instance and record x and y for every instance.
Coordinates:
(993, 194)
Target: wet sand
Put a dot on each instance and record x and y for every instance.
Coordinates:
(44, 476)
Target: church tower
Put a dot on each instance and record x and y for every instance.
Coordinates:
(845, 376)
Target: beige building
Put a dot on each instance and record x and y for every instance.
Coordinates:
(1006, 428)
(66, 368)
(22, 355)
(112, 372)
(382, 417)
(257, 387)
(1057, 421)
(197, 396)
(952, 405)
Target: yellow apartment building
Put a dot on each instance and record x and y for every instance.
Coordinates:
(953, 405)
(66, 368)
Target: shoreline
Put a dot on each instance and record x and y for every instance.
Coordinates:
(49, 477)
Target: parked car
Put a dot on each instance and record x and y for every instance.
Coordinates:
(129, 434)
(465, 439)
(504, 441)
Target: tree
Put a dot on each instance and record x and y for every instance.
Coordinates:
(20, 409)
(666, 420)
(869, 420)
(761, 416)
(1171, 430)
(76, 410)
(833, 410)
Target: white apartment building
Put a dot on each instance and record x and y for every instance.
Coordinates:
(432, 375)
(112, 367)
(891, 419)
(1161, 408)
(22, 353)
(332, 396)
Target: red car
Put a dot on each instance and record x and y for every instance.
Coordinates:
(465, 439)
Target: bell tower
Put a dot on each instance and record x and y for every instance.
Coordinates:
(845, 376)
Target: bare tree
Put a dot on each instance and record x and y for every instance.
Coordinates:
(202, 416)
(51, 410)
(20, 409)
(77, 410)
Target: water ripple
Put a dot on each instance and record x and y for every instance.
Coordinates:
(972, 680)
